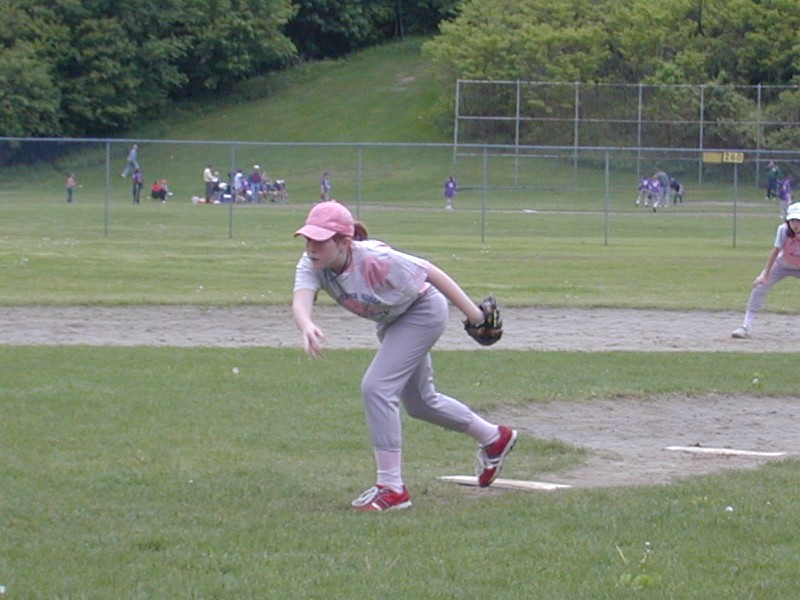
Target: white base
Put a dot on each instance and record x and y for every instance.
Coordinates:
(725, 451)
(507, 484)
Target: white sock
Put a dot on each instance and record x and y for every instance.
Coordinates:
(389, 469)
(483, 431)
(748, 320)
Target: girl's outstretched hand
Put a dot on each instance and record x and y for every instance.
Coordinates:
(312, 340)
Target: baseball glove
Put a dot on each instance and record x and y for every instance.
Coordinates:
(491, 330)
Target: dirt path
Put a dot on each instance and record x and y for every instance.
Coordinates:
(525, 328)
(626, 437)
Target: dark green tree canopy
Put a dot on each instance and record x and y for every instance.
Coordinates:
(745, 42)
(93, 67)
(78, 67)
(719, 43)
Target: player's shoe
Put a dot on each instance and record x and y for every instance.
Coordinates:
(491, 457)
(379, 498)
(741, 333)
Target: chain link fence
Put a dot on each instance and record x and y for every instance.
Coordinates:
(511, 178)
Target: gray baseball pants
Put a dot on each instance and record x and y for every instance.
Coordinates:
(401, 371)
(759, 293)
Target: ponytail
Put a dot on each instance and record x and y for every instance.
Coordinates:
(360, 231)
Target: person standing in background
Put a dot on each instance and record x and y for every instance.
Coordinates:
(325, 187)
(256, 181)
(643, 196)
(71, 182)
(239, 186)
(208, 182)
(660, 192)
(133, 161)
(785, 194)
(773, 177)
(450, 189)
(677, 190)
(138, 183)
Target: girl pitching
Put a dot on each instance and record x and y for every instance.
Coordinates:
(407, 298)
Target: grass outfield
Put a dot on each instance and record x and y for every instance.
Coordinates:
(185, 254)
(156, 473)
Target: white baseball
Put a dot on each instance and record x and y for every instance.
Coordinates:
(235, 370)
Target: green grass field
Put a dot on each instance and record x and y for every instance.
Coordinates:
(156, 473)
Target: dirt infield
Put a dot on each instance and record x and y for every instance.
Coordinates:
(549, 329)
(626, 437)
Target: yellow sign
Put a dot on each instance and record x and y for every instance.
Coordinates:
(712, 157)
(733, 157)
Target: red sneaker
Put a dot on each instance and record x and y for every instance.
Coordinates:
(491, 457)
(379, 498)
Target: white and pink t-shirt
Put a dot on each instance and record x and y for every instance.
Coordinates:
(379, 284)
(789, 256)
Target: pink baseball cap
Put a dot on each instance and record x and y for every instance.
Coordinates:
(325, 220)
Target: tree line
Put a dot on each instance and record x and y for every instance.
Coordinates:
(734, 46)
(93, 67)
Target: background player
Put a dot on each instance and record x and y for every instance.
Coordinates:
(643, 196)
(785, 194)
(783, 261)
(676, 187)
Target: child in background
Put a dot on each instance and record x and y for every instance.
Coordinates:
(677, 190)
(325, 187)
(657, 193)
(158, 191)
(783, 261)
(643, 196)
(138, 184)
(71, 183)
(407, 298)
(785, 194)
(450, 189)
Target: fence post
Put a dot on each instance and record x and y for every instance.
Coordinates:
(232, 192)
(702, 132)
(359, 178)
(517, 118)
(735, 198)
(576, 134)
(607, 202)
(108, 189)
(483, 193)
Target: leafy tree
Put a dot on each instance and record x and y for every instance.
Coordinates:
(227, 40)
(785, 110)
(107, 63)
(752, 42)
(745, 41)
(422, 16)
(740, 42)
(333, 28)
(29, 98)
